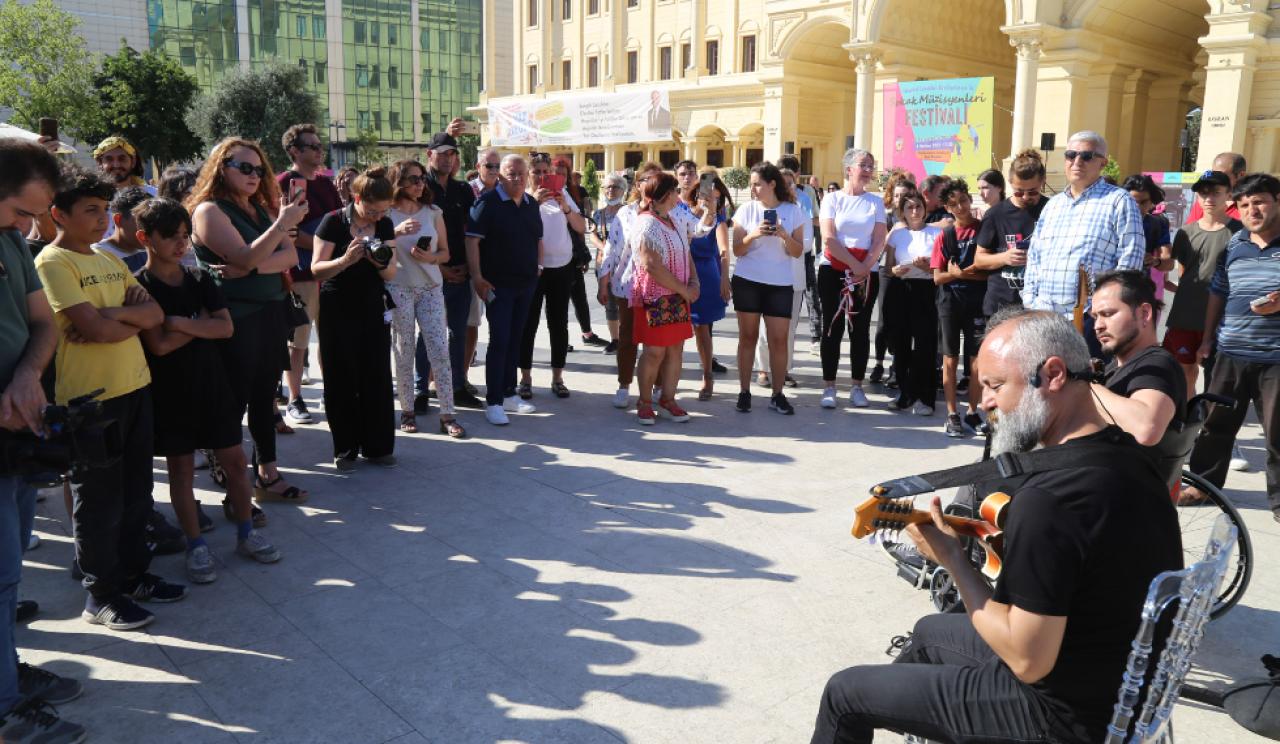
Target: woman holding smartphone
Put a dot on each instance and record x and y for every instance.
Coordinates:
(711, 260)
(422, 245)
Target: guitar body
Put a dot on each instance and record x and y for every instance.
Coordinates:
(893, 515)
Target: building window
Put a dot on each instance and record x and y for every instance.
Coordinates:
(713, 57)
(426, 39)
(715, 158)
(597, 158)
(664, 63)
(566, 75)
(633, 66)
(395, 121)
(375, 33)
(466, 86)
(303, 64)
(318, 29)
(393, 77)
(187, 55)
(566, 10)
(533, 12)
(362, 76)
(375, 77)
(593, 8)
(754, 155)
(593, 70)
(426, 80)
(632, 158)
(360, 32)
(393, 34)
(533, 78)
(362, 120)
(319, 71)
(442, 77)
(464, 43)
(443, 38)
(749, 53)
(669, 158)
(633, 3)
(377, 120)
(302, 26)
(686, 55)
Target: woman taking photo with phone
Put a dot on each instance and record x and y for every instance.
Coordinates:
(354, 257)
(240, 231)
(711, 260)
(416, 291)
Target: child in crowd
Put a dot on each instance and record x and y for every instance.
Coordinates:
(100, 309)
(122, 242)
(183, 358)
(962, 287)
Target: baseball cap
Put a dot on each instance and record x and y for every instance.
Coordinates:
(443, 141)
(1211, 178)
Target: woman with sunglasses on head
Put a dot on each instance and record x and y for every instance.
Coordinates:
(241, 228)
(354, 257)
(607, 238)
(416, 290)
(1006, 231)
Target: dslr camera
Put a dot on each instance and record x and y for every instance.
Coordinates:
(380, 251)
(77, 437)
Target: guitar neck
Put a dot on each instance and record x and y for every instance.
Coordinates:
(963, 525)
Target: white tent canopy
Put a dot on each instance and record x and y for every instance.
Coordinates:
(9, 130)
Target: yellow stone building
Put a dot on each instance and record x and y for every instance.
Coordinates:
(749, 79)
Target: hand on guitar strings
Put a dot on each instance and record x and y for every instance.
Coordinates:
(937, 542)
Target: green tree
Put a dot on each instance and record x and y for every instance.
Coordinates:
(258, 104)
(368, 151)
(735, 178)
(590, 180)
(46, 68)
(146, 97)
(468, 146)
(1112, 168)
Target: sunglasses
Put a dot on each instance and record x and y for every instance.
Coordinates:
(307, 146)
(246, 169)
(1022, 194)
(1083, 156)
(491, 166)
(413, 180)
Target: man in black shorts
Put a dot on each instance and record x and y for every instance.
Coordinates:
(1040, 657)
(963, 287)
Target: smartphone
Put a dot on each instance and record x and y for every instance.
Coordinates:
(489, 296)
(297, 186)
(1260, 301)
(470, 127)
(424, 244)
(553, 182)
(771, 219)
(48, 127)
(707, 186)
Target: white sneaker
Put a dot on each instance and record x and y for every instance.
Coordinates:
(828, 398)
(256, 547)
(622, 398)
(200, 567)
(921, 409)
(514, 404)
(857, 398)
(306, 376)
(1238, 463)
(34, 542)
(496, 416)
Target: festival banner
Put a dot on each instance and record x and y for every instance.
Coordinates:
(939, 127)
(598, 119)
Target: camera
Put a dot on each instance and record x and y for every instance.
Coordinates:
(77, 437)
(380, 251)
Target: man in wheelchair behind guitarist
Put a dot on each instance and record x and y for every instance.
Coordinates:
(1040, 656)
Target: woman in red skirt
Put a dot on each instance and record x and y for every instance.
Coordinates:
(664, 286)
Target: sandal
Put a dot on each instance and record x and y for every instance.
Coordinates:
(281, 426)
(453, 429)
(704, 394)
(525, 391)
(291, 494)
(762, 380)
(790, 382)
(258, 516)
(559, 389)
(408, 423)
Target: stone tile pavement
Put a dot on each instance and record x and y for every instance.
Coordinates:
(570, 578)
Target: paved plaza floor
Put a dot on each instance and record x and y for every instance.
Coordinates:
(572, 577)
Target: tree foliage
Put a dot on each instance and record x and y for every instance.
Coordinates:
(368, 151)
(45, 68)
(590, 180)
(735, 178)
(146, 97)
(258, 104)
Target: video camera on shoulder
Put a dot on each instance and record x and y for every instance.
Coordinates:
(77, 437)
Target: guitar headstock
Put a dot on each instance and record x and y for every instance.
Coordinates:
(876, 514)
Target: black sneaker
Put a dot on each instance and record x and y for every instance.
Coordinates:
(152, 588)
(891, 380)
(901, 404)
(780, 404)
(421, 403)
(717, 367)
(877, 374)
(281, 398)
(35, 683)
(27, 609)
(202, 519)
(905, 553)
(591, 339)
(954, 427)
(466, 399)
(297, 412)
(611, 347)
(258, 516)
(471, 388)
(974, 423)
(744, 402)
(162, 537)
(35, 722)
(963, 385)
(120, 613)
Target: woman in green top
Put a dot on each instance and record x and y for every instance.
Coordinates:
(240, 228)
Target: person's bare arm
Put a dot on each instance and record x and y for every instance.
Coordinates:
(326, 268)
(212, 228)
(832, 245)
(1212, 317)
(178, 331)
(22, 402)
(1145, 413)
(879, 237)
(89, 325)
(478, 282)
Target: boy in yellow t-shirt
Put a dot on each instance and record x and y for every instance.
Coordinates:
(100, 309)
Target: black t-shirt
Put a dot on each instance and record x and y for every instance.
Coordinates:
(937, 215)
(455, 199)
(1084, 543)
(1153, 368)
(959, 244)
(1001, 222)
(509, 231)
(359, 284)
(189, 365)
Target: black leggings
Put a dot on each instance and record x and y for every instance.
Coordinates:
(555, 286)
(579, 297)
(830, 282)
(885, 331)
(910, 302)
(255, 356)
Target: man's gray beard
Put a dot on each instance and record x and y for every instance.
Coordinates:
(1019, 430)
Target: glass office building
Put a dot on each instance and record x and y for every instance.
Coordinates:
(399, 68)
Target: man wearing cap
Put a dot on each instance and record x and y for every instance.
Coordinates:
(1234, 166)
(455, 198)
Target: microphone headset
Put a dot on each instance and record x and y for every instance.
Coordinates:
(1034, 378)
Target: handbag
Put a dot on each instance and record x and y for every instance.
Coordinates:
(666, 310)
(296, 310)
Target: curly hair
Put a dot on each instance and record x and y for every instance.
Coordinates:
(78, 183)
(211, 184)
(397, 173)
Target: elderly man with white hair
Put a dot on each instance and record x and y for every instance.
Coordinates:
(1091, 224)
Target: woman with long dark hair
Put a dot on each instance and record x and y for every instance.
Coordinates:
(581, 256)
(711, 261)
(909, 300)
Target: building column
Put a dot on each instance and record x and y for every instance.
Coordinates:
(865, 58)
(415, 15)
(242, 34)
(691, 150)
(613, 158)
(336, 72)
(1061, 93)
(1027, 43)
(737, 153)
(1232, 45)
(781, 115)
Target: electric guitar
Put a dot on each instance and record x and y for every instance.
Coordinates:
(878, 514)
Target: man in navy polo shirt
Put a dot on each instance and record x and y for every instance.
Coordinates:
(504, 255)
(1244, 317)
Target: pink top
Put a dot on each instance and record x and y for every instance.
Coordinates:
(657, 236)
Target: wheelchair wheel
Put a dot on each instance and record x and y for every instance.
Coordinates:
(1197, 524)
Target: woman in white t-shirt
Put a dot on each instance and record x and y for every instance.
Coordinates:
(555, 281)
(909, 302)
(853, 237)
(768, 241)
(421, 247)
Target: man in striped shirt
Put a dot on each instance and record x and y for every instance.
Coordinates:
(1244, 317)
(1091, 224)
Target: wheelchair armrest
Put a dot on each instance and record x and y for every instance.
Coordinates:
(1222, 400)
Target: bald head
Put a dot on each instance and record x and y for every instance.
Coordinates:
(1231, 163)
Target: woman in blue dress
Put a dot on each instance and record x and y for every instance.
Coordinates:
(711, 260)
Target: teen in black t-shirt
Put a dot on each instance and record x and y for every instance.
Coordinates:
(1001, 223)
(1153, 368)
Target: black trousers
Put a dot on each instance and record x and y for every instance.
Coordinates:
(110, 505)
(830, 281)
(910, 302)
(886, 333)
(811, 294)
(578, 294)
(554, 286)
(359, 402)
(1246, 382)
(255, 356)
(946, 685)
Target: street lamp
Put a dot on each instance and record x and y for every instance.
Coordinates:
(335, 131)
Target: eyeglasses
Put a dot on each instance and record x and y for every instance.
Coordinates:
(1084, 156)
(413, 180)
(246, 169)
(492, 166)
(868, 167)
(307, 146)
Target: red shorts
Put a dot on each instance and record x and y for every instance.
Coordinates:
(1183, 344)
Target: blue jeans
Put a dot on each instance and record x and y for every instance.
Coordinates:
(507, 314)
(457, 307)
(17, 514)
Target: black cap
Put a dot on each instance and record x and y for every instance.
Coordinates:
(443, 141)
(1211, 178)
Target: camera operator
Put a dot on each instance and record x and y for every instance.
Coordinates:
(28, 178)
(354, 256)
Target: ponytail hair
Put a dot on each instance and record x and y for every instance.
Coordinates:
(373, 185)
(655, 188)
